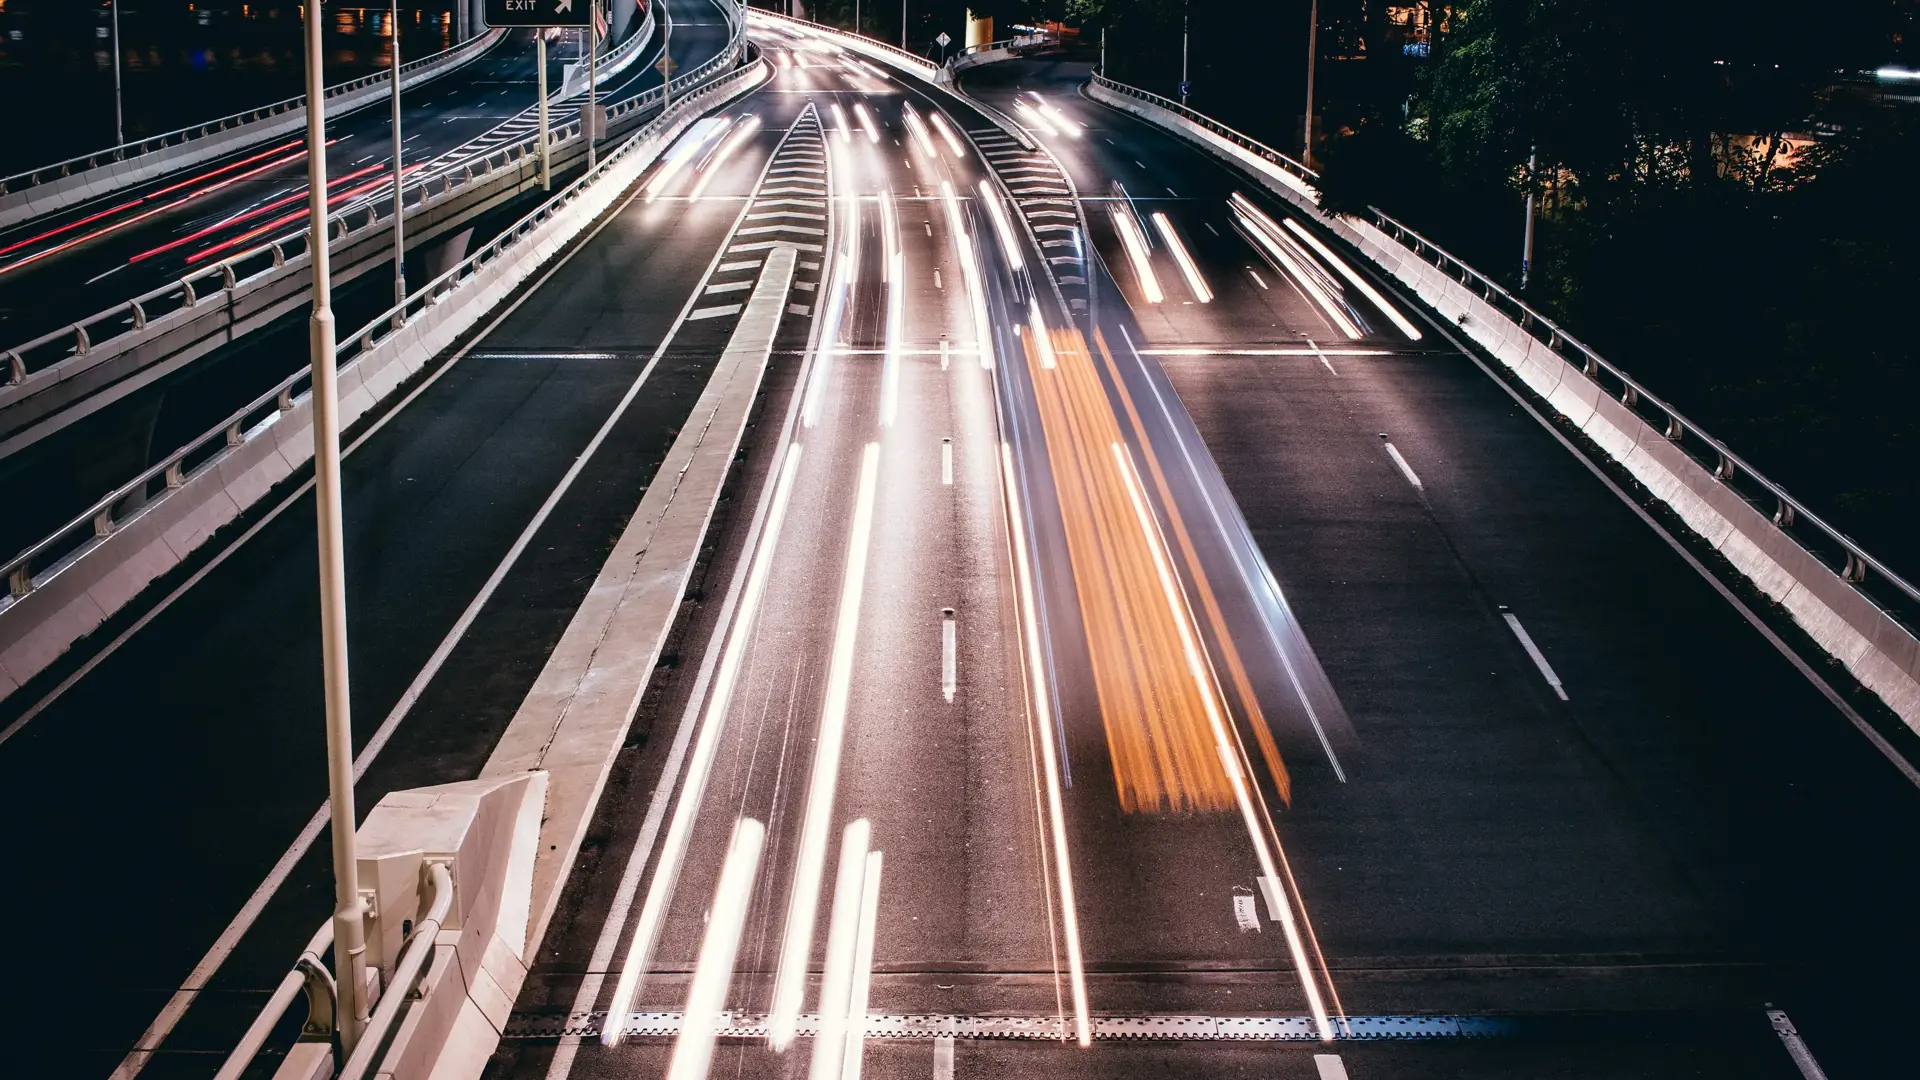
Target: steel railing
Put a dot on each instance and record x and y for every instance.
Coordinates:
(1826, 543)
(39, 563)
(82, 162)
(83, 336)
(1012, 44)
(1244, 142)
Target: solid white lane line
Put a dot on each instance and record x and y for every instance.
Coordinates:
(843, 940)
(1796, 1047)
(713, 972)
(1136, 247)
(797, 946)
(680, 831)
(1399, 462)
(1200, 671)
(1274, 895)
(949, 658)
(1330, 1067)
(855, 1056)
(1040, 701)
(943, 1057)
(946, 450)
(1539, 658)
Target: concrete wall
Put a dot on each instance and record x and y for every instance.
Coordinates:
(1877, 650)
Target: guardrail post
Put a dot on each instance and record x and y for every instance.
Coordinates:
(1724, 469)
(16, 369)
(187, 287)
(103, 521)
(139, 315)
(226, 276)
(1675, 429)
(234, 437)
(1856, 568)
(1630, 396)
(80, 341)
(176, 475)
(1783, 516)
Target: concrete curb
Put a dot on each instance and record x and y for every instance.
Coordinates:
(1843, 621)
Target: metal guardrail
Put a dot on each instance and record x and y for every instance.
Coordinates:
(61, 548)
(1833, 548)
(1024, 41)
(79, 338)
(1244, 142)
(82, 162)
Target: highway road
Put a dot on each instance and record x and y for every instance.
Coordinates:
(1563, 786)
(1140, 676)
(467, 112)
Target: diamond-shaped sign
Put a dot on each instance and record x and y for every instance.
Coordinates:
(943, 39)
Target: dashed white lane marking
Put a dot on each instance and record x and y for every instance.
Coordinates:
(1256, 277)
(1330, 1067)
(728, 286)
(936, 280)
(1270, 892)
(750, 264)
(1328, 364)
(714, 312)
(1539, 660)
(949, 657)
(946, 354)
(1210, 228)
(946, 446)
(1796, 1048)
(943, 1058)
(1399, 462)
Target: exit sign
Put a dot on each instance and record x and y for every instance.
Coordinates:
(539, 12)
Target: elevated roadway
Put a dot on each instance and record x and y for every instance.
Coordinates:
(1530, 771)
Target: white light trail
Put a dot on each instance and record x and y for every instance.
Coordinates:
(947, 133)
(1136, 245)
(843, 941)
(713, 972)
(1187, 267)
(840, 118)
(866, 121)
(896, 310)
(855, 1056)
(797, 947)
(719, 157)
(969, 274)
(1066, 124)
(1201, 671)
(1040, 697)
(1033, 117)
(1002, 227)
(918, 127)
(1366, 288)
(1042, 341)
(845, 271)
(683, 151)
(1293, 261)
(673, 849)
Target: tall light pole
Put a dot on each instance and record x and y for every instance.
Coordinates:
(119, 129)
(1526, 250)
(1313, 54)
(1185, 15)
(592, 124)
(903, 25)
(399, 216)
(349, 932)
(546, 157)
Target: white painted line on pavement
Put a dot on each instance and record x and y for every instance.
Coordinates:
(1330, 1067)
(946, 450)
(1400, 463)
(1539, 659)
(936, 280)
(797, 946)
(949, 657)
(714, 312)
(943, 1057)
(1257, 279)
(1796, 1047)
(1244, 912)
(1271, 892)
(1324, 362)
(945, 354)
(713, 972)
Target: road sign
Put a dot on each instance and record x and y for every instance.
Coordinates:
(539, 12)
(666, 65)
(1185, 89)
(943, 39)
